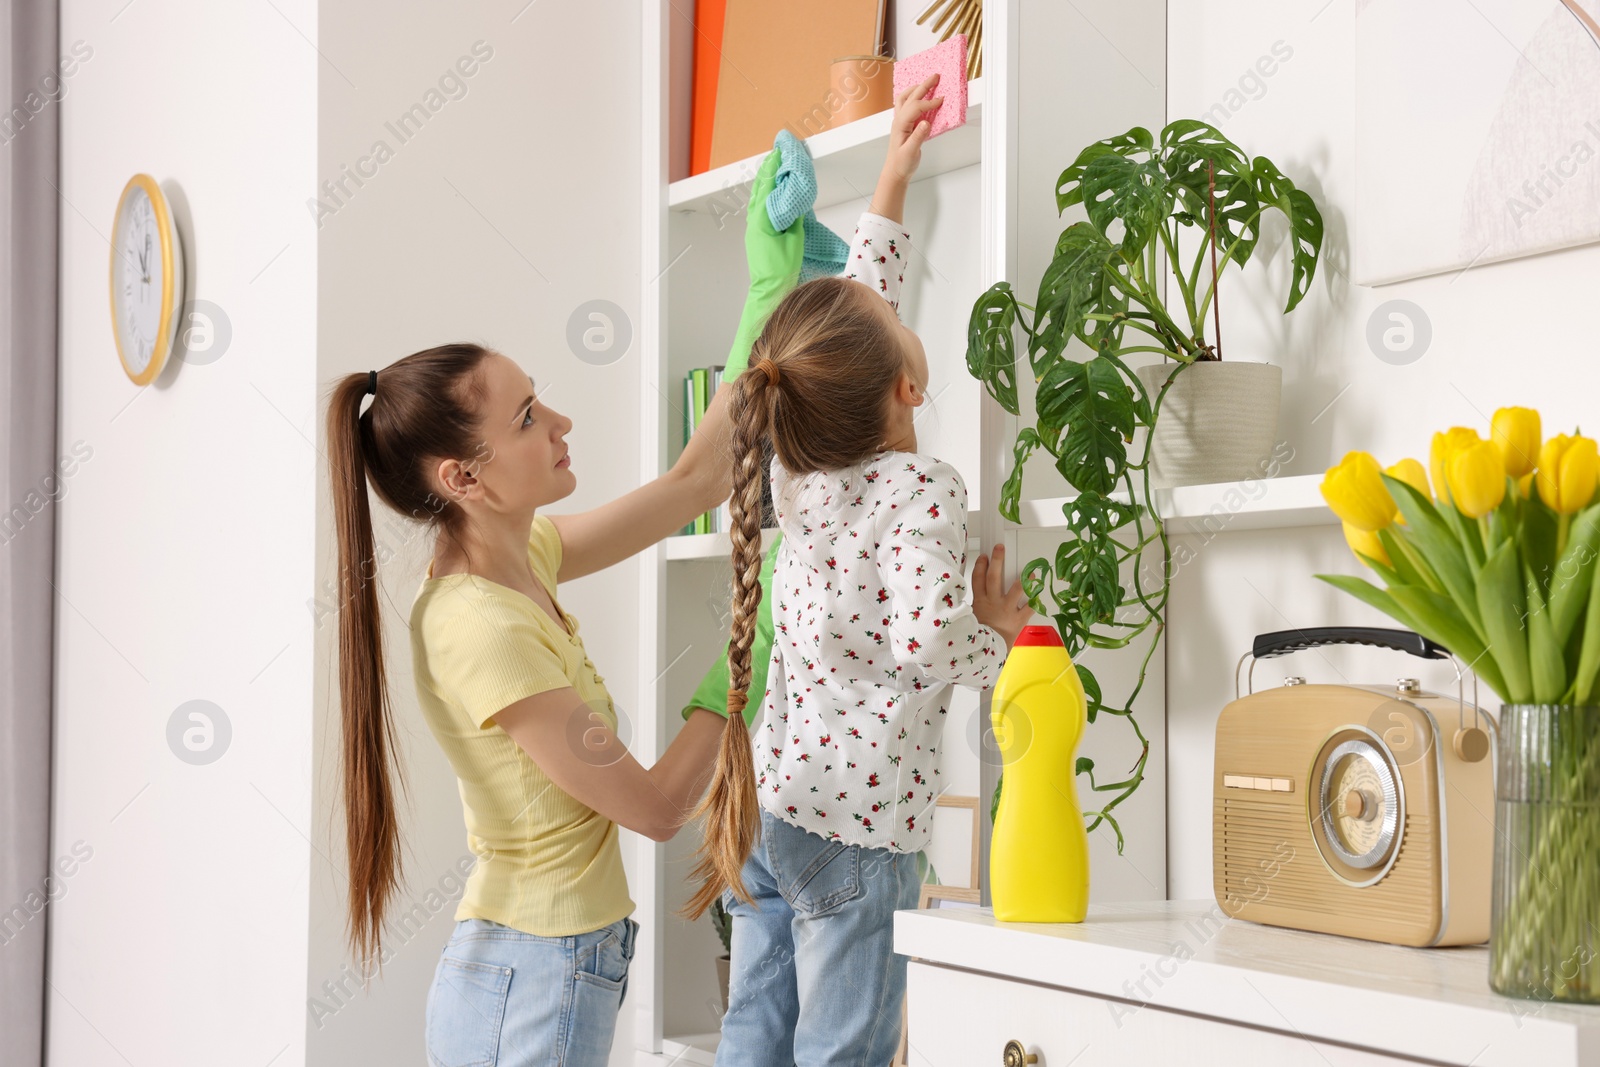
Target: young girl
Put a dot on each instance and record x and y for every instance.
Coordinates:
(455, 436)
(816, 815)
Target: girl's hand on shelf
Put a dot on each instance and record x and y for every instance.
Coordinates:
(910, 127)
(1006, 611)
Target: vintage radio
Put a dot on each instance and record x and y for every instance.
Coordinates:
(1363, 810)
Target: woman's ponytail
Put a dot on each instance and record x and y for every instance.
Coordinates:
(733, 816)
(367, 742)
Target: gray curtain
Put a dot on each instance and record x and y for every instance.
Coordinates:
(29, 176)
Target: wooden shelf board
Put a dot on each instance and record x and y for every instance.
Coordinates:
(847, 161)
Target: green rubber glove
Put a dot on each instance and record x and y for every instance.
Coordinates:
(712, 692)
(773, 257)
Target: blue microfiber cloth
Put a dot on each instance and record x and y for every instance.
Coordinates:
(792, 198)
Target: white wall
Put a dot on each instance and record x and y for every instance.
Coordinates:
(515, 203)
(186, 548)
(1509, 333)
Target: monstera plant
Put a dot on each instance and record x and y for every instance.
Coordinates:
(1104, 288)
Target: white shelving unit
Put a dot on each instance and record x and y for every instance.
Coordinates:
(969, 229)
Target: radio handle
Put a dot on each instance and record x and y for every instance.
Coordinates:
(1282, 642)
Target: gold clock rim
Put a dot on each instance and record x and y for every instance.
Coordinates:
(163, 345)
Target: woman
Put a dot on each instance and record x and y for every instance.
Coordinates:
(455, 436)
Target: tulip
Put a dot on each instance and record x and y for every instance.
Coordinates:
(1515, 432)
(1523, 483)
(1355, 492)
(1476, 476)
(1568, 467)
(1443, 445)
(1410, 472)
(1365, 543)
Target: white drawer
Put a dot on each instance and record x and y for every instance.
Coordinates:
(962, 1019)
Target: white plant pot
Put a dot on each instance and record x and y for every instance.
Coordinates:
(1218, 422)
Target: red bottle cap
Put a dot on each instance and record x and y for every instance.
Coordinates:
(1039, 635)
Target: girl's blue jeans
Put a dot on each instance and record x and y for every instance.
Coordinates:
(503, 998)
(815, 981)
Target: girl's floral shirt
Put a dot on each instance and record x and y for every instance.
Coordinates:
(872, 625)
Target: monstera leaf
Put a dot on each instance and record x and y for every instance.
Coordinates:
(1011, 489)
(1195, 154)
(1091, 404)
(991, 352)
(1081, 280)
(1305, 224)
(1069, 187)
(1135, 194)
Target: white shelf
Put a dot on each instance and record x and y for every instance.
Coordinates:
(705, 546)
(847, 161)
(1264, 504)
(1432, 1004)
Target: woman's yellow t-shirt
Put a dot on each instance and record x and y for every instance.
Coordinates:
(547, 864)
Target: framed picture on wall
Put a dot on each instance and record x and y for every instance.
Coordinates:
(1477, 133)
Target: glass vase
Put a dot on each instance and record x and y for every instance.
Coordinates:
(1544, 941)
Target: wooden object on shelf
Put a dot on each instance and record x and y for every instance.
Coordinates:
(865, 84)
(774, 69)
(959, 16)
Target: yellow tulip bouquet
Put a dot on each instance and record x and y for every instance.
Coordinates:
(1497, 562)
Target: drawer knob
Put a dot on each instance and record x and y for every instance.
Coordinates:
(1016, 1055)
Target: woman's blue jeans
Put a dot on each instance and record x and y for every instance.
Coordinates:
(503, 998)
(815, 981)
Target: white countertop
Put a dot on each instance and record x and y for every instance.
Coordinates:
(1434, 1004)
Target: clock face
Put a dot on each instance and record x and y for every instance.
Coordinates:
(137, 281)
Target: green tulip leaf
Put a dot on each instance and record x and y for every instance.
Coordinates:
(1439, 548)
(1502, 604)
(1365, 591)
(1589, 651)
(1571, 577)
(1435, 617)
(1546, 668)
(1400, 571)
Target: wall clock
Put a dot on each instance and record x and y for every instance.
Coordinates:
(146, 279)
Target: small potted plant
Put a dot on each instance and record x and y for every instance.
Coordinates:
(722, 922)
(1104, 288)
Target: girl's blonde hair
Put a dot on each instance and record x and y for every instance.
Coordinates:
(426, 408)
(819, 381)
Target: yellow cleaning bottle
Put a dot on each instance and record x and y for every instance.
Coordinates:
(1039, 852)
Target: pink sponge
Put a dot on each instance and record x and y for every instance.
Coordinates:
(948, 59)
